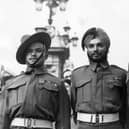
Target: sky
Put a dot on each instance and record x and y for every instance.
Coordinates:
(19, 17)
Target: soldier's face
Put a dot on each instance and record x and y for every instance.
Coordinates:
(35, 54)
(97, 50)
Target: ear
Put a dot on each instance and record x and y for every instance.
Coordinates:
(46, 54)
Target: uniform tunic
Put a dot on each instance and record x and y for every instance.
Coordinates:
(37, 95)
(99, 91)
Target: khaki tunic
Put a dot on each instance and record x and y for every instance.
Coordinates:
(102, 91)
(38, 95)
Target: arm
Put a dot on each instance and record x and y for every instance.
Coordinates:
(73, 100)
(4, 113)
(1, 109)
(127, 100)
(63, 116)
(125, 107)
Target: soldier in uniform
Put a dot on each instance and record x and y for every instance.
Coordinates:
(35, 99)
(99, 91)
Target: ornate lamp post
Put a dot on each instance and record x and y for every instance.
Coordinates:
(59, 51)
(66, 37)
(52, 4)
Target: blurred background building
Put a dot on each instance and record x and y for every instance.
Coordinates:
(19, 17)
(4, 75)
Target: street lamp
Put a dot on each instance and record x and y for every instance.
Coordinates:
(66, 37)
(74, 39)
(52, 4)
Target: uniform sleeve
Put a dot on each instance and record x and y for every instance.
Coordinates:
(64, 113)
(127, 100)
(4, 112)
(124, 112)
(73, 99)
(1, 109)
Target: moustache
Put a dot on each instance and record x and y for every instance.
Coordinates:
(95, 53)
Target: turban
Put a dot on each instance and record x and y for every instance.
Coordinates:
(93, 33)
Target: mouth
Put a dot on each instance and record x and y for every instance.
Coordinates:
(95, 54)
(33, 59)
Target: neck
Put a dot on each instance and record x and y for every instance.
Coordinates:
(35, 67)
(98, 62)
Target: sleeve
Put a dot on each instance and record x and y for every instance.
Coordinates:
(73, 99)
(4, 112)
(127, 103)
(1, 109)
(124, 112)
(64, 113)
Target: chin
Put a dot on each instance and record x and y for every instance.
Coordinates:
(97, 60)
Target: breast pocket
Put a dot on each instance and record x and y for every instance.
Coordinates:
(48, 92)
(83, 88)
(16, 93)
(112, 86)
(113, 81)
(48, 85)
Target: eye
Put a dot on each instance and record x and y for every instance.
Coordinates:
(39, 50)
(100, 45)
(90, 45)
(29, 51)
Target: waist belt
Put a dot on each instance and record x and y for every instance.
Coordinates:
(98, 118)
(31, 123)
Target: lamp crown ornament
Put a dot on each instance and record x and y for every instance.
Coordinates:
(52, 5)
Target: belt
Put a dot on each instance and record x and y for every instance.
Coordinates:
(31, 123)
(98, 118)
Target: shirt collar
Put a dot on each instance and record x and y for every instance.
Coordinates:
(40, 70)
(93, 65)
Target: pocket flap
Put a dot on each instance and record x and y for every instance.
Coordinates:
(17, 84)
(81, 83)
(114, 80)
(49, 85)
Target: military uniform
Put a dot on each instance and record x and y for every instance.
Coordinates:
(98, 96)
(35, 97)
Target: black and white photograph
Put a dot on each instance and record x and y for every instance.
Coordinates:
(64, 64)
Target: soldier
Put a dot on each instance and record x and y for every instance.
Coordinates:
(99, 92)
(35, 98)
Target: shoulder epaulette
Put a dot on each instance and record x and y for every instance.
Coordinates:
(81, 67)
(13, 79)
(52, 77)
(117, 67)
(50, 74)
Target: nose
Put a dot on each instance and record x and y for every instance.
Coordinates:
(33, 52)
(95, 48)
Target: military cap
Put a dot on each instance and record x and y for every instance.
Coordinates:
(27, 40)
(93, 33)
